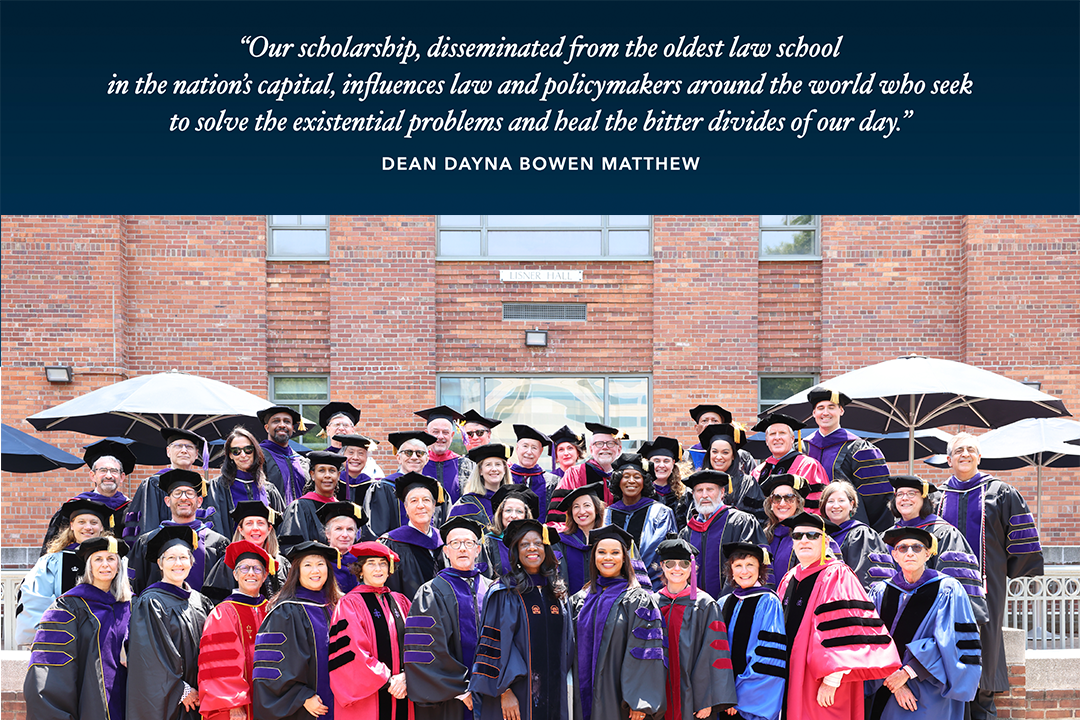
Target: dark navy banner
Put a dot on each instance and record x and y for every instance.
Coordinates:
(526, 107)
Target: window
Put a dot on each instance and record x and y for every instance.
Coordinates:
(298, 237)
(790, 237)
(775, 389)
(548, 402)
(545, 236)
(306, 394)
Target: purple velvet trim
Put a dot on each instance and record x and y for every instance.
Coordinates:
(650, 653)
(265, 673)
(662, 489)
(274, 638)
(824, 449)
(288, 464)
(46, 657)
(648, 614)
(351, 482)
(964, 574)
(973, 510)
(534, 478)
(590, 630)
(414, 638)
(708, 541)
(242, 599)
(743, 593)
(269, 656)
(871, 453)
(780, 549)
(418, 656)
(411, 536)
(845, 528)
(112, 501)
(957, 556)
(468, 607)
(575, 554)
(899, 581)
(1022, 519)
(320, 623)
(244, 489)
(446, 472)
(181, 592)
(880, 557)
(641, 503)
(419, 621)
(114, 618)
(644, 633)
(1024, 534)
(53, 637)
(876, 488)
(56, 615)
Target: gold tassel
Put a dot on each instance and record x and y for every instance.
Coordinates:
(765, 556)
(547, 535)
(925, 488)
(798, 434)
(933, 545)
(338, 559)
(272, 567)
(271, 516)
(824, 546)
(835, 398)
(113, 546)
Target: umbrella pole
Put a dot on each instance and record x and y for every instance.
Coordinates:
(911, 437)
(1038, 498)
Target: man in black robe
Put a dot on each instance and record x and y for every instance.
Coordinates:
(147, 509)
(373, 494)
(285, 469)
(527, 471)
(446, 466)
(443, 628)
(337, 418)
(301, 521)
(712, 524)
(183, 496)
(417, 542)
(846, 456)
(997, 523)
(110, 463)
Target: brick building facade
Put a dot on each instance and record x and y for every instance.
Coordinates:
(383, 316)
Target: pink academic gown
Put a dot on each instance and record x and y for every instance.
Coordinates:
(356, 683)
(840, 630)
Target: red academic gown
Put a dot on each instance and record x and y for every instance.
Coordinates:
(839, 629)
(578, 476)
(358, 675)
(801, 465)
(227, 655)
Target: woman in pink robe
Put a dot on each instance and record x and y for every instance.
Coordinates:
(367, 639)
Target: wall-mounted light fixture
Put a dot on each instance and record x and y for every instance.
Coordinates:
(1032, 383)
(536, 338)
(58, 373)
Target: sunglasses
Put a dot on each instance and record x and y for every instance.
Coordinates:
(672, 564)
(238, 451)
(789, 498)
(910, 548)
(812, 535)
(477, 433)
(414, 453)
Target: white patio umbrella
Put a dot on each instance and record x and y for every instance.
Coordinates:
(915, 391)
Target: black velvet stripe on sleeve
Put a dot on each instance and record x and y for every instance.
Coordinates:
(774, 670)
(967, 627)
(844, 605)
(969, 645)
(850, 622)
(845, 640)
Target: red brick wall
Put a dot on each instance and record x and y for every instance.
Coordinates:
(1013, 704)
(790, 314)
(891, 285)
(12, 705)
(298, 317)
(384, 337)
(1053, 704)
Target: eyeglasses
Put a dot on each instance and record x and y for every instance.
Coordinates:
(530, 545)
(789, 498)
(672, 564)
(459, 544)
(109, 471)
(606, 444)
(477, 433)
(238, 451)
(907, 494)
(915, 547)
(812, 535)
(184, 495)
(174, 559)
(413, 453)
(183, 446)
(966, 450)
(250, 569)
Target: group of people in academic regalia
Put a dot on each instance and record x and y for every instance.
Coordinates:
(615, 585)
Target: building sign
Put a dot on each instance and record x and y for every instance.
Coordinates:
(541, 275)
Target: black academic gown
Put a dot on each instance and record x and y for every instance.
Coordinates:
(628, 658)
(699, 660)
(142, 571)
(220, 582)
(526, 645)
(726, 525)
(864, 552)
(147, 508)
(163, 651)
(494, 560)
(376, 496)
(75, 669)
(221, 497)
(442, 632)
(987, 507)
(421, 557)
(291, 658)
(301, 521)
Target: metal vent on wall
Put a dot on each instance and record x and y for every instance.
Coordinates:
(550, 312)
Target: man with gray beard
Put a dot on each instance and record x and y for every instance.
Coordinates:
(713, 524)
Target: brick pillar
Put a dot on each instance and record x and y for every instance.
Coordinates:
(705, 322)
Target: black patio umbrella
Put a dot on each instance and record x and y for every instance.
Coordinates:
(24, 453)
(139, 408)
(915, 391)
(1037, 443)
